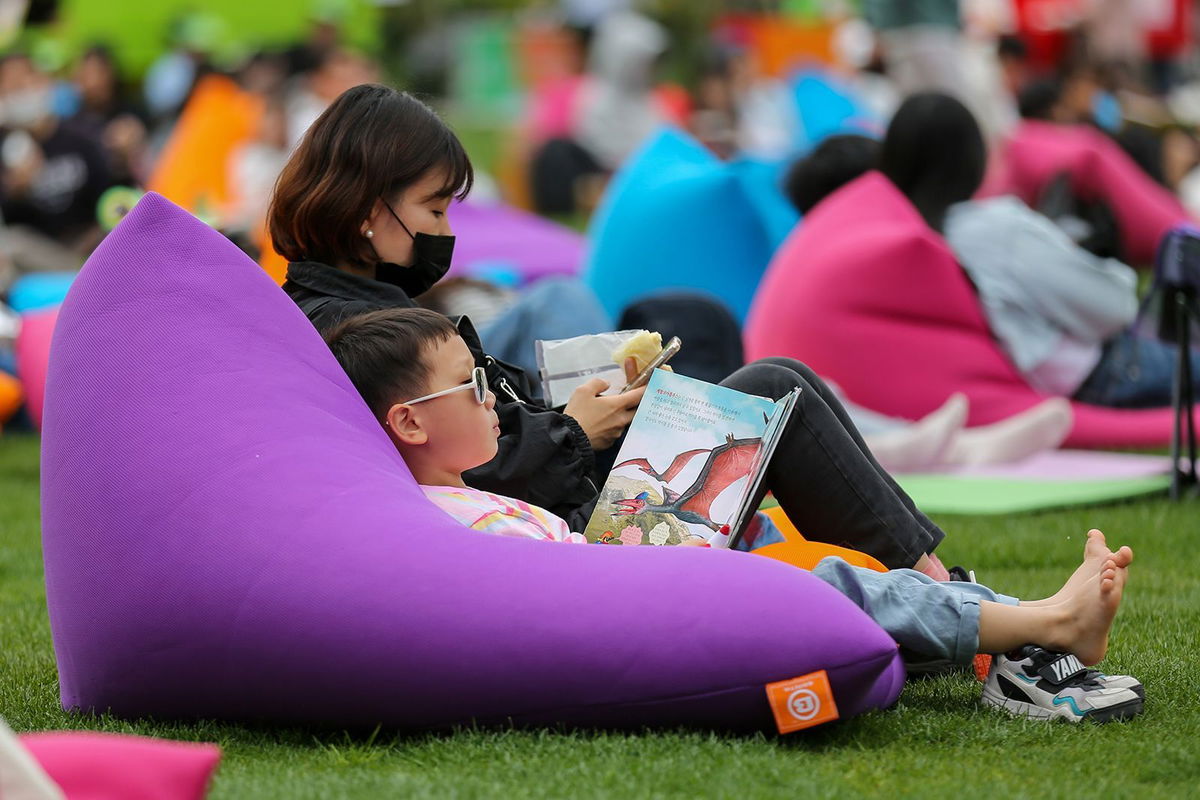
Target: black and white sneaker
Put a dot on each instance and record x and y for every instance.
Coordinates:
(1040, 684)
(1117, 682)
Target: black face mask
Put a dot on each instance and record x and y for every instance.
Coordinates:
(431, 260)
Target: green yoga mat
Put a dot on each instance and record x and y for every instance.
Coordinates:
(954, 494)
(1054, 479)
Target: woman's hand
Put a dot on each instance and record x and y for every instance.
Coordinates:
(603, 419)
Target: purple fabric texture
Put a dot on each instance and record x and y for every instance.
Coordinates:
(495, 238)
(229, 534)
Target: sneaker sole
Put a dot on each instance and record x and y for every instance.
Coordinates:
(1117, 713)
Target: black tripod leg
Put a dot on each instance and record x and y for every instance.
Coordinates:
(1187, 383)
(1183, 402)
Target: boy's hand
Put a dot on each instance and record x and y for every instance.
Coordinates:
(603, 419)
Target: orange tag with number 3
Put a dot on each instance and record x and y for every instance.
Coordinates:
(802, 702)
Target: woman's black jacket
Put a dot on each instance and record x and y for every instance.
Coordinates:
(544, 456)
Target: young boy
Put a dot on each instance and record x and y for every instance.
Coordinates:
(418, 377)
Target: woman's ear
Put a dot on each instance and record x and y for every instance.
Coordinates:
(373, 219)
(405, 425)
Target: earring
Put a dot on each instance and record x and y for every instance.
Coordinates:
(370, 234)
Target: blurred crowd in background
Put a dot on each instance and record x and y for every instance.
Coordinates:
(550, 97)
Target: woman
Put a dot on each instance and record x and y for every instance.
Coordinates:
(1064, 316)
(360, 211)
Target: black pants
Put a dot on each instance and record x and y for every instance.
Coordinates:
(826, 479)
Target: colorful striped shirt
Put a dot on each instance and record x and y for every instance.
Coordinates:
(500, 515)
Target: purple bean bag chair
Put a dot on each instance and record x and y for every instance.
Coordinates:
(1036, 152)
(515, 246)
(229, 534)
(867, 295)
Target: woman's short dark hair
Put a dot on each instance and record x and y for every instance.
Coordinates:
(830, 166)
(383, 353)
(934, 152)
(372, 143)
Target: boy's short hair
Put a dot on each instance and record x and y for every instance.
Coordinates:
(383, 353)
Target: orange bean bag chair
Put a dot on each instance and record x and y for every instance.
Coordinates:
(11, 396)
(866, 294)
(800, 552)
(218, 119)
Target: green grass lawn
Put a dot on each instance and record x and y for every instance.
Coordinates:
(936, 742)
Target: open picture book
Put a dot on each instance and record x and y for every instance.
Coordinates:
(691, 464)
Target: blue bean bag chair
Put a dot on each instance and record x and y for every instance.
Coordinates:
(233, 536)
(677, 217)
(827, 107)
(39, 290)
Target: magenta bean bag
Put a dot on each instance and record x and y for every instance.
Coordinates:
(229, 534)
(33, 356)
(106, 766)
(1037, 151)
(868, 295)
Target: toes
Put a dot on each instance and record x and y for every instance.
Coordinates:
(1095, 544)
(1123, 557)
(1108, 576)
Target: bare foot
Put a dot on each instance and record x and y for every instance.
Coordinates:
(1089, 612)
(1095, 552)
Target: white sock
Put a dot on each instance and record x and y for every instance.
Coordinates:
(1042, 427)
(922, 444)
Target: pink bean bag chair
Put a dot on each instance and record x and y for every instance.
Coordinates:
(228, 533)
(1037, 152)
(106, 766)
(33, 357)
(867, 295)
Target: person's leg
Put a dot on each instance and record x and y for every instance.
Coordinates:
(927, 618)
(1134, 372)
(956, 620)
(1079, 624)
(825, 478)
(1035, 430)
(906, 446)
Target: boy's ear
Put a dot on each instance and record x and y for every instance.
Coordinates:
(405, 425)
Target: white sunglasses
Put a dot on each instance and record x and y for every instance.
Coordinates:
(478, 382)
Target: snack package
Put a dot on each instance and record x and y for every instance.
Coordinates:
(566, 364)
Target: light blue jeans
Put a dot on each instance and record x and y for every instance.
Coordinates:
(931, 619)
